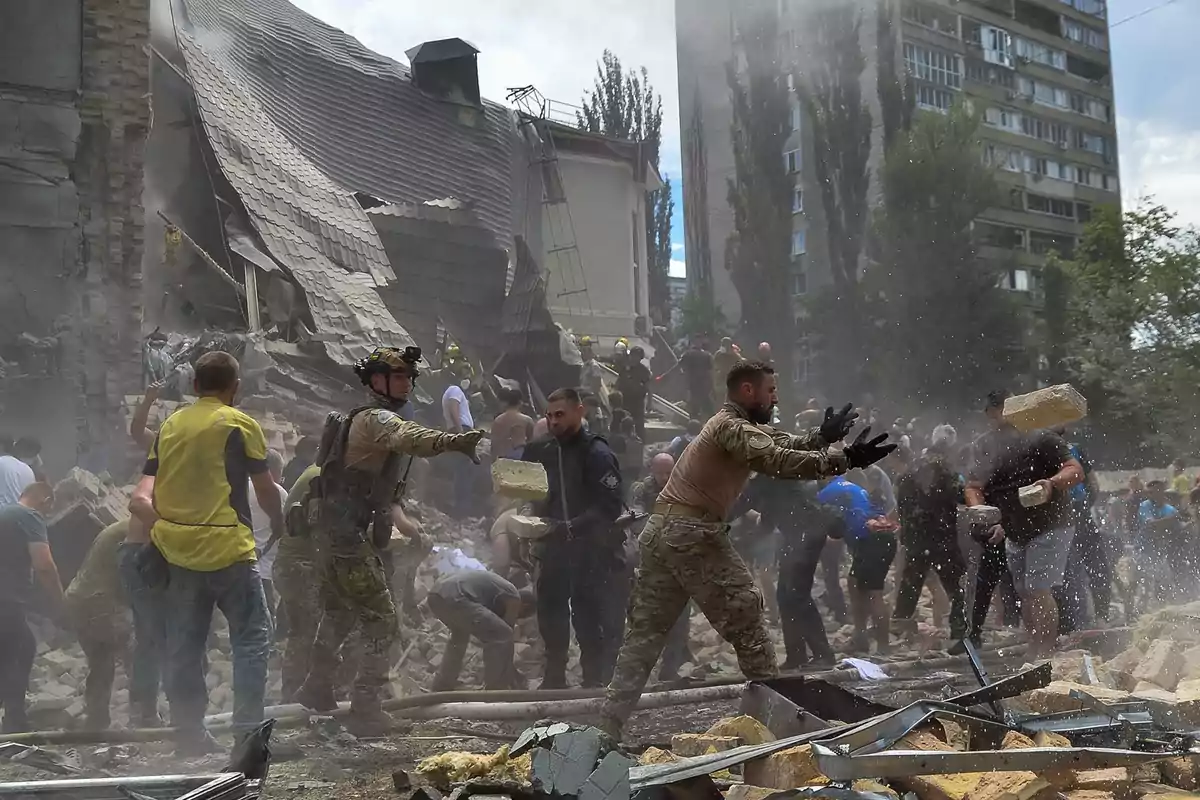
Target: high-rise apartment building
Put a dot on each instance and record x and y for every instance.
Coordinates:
(1038, 72)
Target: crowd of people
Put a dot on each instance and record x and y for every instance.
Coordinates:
(733, 516)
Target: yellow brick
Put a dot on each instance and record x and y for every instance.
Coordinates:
(1181, 772)
(1162, 664)
(1013, 786)
(786, 769)
(656, 755)
(746, 728)
(1114, 779)
(1057, 697)
(520, 479)
(1045, 408)
(697, 744)
(1016, 741)
(959, 786)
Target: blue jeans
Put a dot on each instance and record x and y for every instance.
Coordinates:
(149, 633)
(191, 597)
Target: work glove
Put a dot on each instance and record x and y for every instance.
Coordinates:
(837, 425)
(466, 443)
(863, 452)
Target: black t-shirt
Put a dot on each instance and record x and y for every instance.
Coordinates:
(928, 498)
(697, 367)
(1006, 460)
(19, 527)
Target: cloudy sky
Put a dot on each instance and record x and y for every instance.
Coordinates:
(554, 45)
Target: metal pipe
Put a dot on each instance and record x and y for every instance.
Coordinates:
(569, 708)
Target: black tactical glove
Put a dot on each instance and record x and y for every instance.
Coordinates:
(837, 425)
(466, 443)
(863, 452)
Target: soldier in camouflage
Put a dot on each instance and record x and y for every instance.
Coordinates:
(352, 513)
(685, 548)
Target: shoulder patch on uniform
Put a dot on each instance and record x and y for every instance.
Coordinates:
(611, 481)
(385, 416)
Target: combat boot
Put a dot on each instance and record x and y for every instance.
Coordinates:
(367, 719)
(316, 695)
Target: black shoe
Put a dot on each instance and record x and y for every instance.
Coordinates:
(792, 663)
(553, 682)
(960, 647)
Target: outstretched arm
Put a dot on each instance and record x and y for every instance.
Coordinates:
(762, 453)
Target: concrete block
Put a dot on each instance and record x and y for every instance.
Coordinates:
(1033, 495)
(1118, 671)
(564, 767)
(610, 779)
(656, 755)
(1089, 794)
(1182, 772)
(1013, 786)
(746, 728)
(785, 769)
(1144, 690)
(956, 735)
(1114, 779)
(1056, 697)
(698, 744)
(1051, 739)
(522, 480)
(1162, 664)
(956, 786)
(527, 527)
(1045, 408)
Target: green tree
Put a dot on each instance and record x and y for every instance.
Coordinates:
(701, 316)
(841, 129)
(1133, 345)
(896, 102)
(624, 105)
(948, 332)
(758, 252)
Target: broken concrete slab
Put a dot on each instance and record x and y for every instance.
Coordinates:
(564, 767)
(523, 480)
(1013, 786)
(1050, 407)
(746, 728)
(1162, 664)
(610, 779)
(1182, 772)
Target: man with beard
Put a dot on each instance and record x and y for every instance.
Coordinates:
(686, 553)
(581, 573)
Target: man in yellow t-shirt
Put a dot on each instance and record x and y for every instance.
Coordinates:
(194, 495)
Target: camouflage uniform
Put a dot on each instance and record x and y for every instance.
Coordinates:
(686, 552)
(295, 575)
(354, 587)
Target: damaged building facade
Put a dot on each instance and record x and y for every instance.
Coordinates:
(303, 196)
(74, 116)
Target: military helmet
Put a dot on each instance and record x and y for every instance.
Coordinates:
(383, 360)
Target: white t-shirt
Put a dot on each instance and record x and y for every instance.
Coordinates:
(15, 476)
(455, 392)
(262, 532)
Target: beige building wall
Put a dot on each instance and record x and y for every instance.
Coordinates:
(599, 287)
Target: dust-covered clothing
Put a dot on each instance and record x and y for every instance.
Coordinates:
(19, 528)
(474, 603)
(645, 494)
(150, 624)
(1007, 460)
(714, 469)
(682, 559)
(354, 586)
(15, 477)
(261, 526)
(296, 581)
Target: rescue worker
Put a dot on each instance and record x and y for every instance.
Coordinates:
(581, 561)
(676, 653)
(479, 604)
(686, 552)
(97, 612)
(353, 500)
(295, 576)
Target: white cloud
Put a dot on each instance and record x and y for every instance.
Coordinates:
(1161, 159)
(677, 269)
(547, 43)
(677, 247)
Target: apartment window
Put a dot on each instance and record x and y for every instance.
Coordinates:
(1000, 236)
(1044, 93)
(797, 200)
(1043, 243)
(796, 116)
(791, 161)
(1040, 204)
(1038, 128)
(1109, 183)
(982, 72)
(1096, 8)
(934, 99)
(931, 18)
(800, 281)
(1087, 36)
(1090, 106)
(1018, 280)
(1092, 142)
(972, 32)
(1040, 53)
(997, 46)
(1003, 157)
(1083, 212)
(1003, 118)
(935, 66)
(799, 243)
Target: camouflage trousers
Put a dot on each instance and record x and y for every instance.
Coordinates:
(354, 592)
(684, 559)
(295, 576)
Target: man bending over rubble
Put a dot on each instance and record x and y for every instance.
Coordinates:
(685, 547)
(352, 525)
